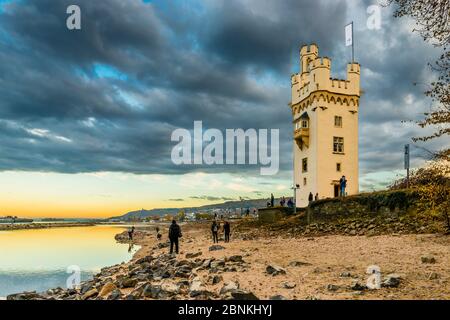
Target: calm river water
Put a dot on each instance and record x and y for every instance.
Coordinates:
(36, 260)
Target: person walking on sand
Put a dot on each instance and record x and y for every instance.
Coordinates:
(316, 197)
(215, 231)
(174, 235)
(343, 185)
(218, 230)
(226, 231)
(290, 203)
(158, 234)
(131, 234)
(310, 197)
(272, 200)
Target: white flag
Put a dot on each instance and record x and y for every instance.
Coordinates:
(349, 34)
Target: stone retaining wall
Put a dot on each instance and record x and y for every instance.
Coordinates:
(388, 204)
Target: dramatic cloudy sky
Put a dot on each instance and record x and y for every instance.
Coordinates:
(86, 116)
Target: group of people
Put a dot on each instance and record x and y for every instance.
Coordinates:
(311, 197)
(175, 233)
(283, 202)
(215, 229)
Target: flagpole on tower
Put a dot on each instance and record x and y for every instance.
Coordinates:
(353, 47)
(349, 39)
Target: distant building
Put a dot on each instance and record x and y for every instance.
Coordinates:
(325, 120)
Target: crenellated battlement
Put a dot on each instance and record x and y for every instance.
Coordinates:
(315, 75)
(309, 49)
(320, 62)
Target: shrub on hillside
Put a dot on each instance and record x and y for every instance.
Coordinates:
(432, 183)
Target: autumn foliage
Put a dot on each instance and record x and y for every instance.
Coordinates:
(432, 183)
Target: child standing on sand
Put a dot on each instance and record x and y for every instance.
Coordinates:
(215, 231)
(158, 235)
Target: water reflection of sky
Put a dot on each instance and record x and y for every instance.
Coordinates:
(38, 259)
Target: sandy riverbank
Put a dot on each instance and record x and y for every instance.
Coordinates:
(329, 265)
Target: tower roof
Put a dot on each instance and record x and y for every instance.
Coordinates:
(304, 116)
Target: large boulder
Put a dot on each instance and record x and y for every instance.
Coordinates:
(193, 255)
(217, 263)
(197, 288)
(86, 286)
(216, 247)
(115, 295)
(229, 286)
(358, 286)
(277, 297)
(391, 281)
(215, 279)
(298, 264)
(239, 294)
(288, 285)
(90, 294)
(107, 289)
(25, 296)
(151, 291)
(163, 245)
(128, 282)
(275, 270)
(169, 289)
(428, 259)
(235, 258)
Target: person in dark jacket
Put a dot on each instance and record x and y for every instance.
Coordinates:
(272, 200)
(226, 231)
(215, 231)
(174, 235)
(343, 185)
(131, 234)
(310, 197)
(158, 235)
(290, 203)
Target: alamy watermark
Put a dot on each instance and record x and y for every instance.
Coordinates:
(209, 147)
(374, 19)
(74, 280)
(374, 280)
(73, 21)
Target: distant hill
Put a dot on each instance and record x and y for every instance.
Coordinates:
(252, 203)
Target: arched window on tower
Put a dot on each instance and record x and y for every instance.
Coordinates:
(304, 121)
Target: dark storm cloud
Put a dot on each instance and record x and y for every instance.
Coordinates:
(227, 63)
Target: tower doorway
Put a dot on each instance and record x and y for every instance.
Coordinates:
(336, 190)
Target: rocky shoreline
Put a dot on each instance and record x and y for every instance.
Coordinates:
(161, 276)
